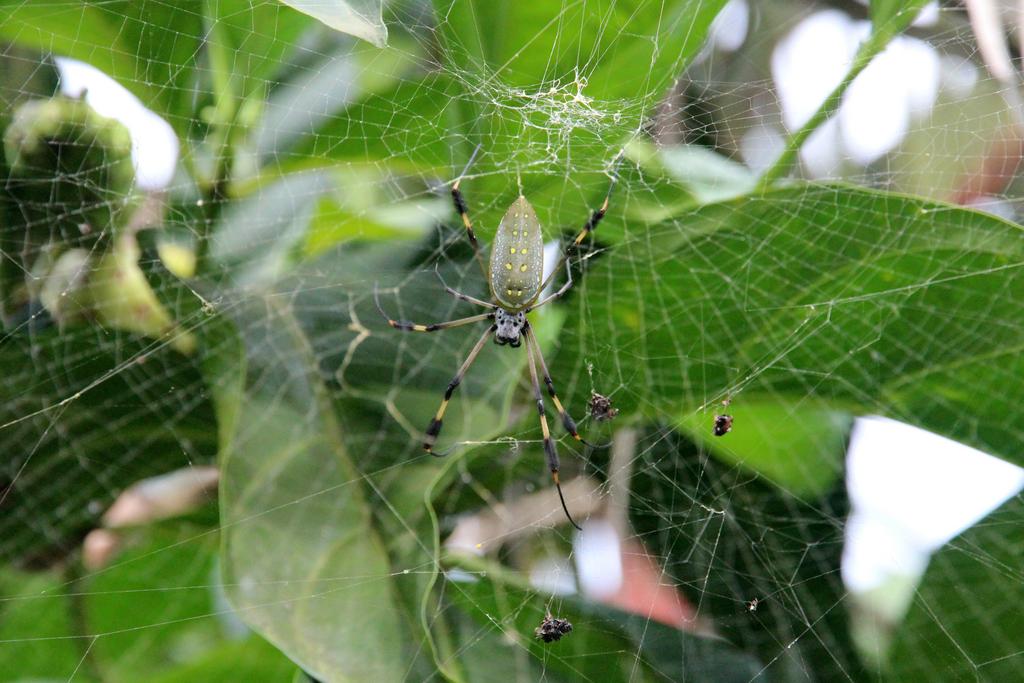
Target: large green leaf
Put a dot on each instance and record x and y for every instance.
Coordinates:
(316, 96)
(147, 633)
(29, 611)
(313, 578)
(529, 44)
(829, 293)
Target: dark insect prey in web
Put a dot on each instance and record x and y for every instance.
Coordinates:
(552, 629)
(601, 407)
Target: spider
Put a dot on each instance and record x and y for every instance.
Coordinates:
(516, 281)
(723, 423)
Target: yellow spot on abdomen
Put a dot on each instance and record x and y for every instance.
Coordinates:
(508, 266)
(523, 251)
(522, 268)
(512, 250)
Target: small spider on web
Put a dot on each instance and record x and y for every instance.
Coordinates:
(515, 275)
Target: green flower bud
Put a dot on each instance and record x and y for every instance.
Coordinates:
(121, 298)
(71, 174)
(57, 282)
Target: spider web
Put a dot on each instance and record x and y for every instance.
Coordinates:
(863, 288)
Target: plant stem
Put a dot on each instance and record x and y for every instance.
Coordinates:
(867, 51)
(73, 581)
(214, 196)
(428, 590)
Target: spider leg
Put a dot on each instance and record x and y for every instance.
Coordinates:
(409, 326)
(588, 227)
(463, 211)
(460, 295)
(549, 445)
(435, 425)
(534, 347)
(557, 295)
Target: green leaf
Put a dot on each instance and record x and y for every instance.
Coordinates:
(965, 619)
(257, 236)
(529, 44)
(360, 18)
(37, 629)
(316, 96)
(832, 293)
(325, 595)
(947, 394)
(706, 175)
(311, 375)
(333, 224)
(252, 659)
(154, 604)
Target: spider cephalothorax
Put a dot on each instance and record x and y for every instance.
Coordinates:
(509, 327)
(516, 281)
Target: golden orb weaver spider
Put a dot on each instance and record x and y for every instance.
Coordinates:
(516, 282)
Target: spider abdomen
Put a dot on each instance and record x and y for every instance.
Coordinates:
(517, 257)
